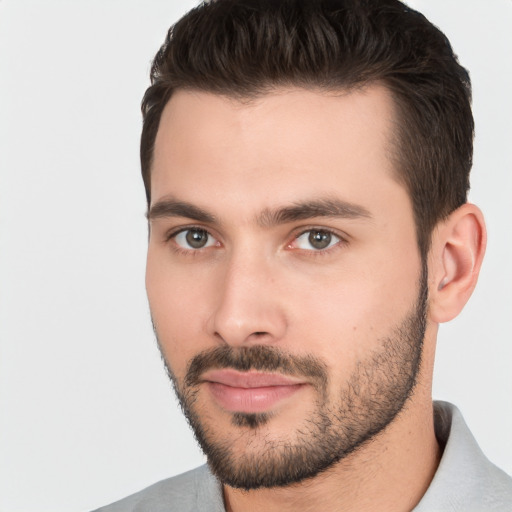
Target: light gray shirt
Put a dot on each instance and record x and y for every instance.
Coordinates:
(465, 480)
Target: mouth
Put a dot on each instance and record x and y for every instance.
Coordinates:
(250, 392)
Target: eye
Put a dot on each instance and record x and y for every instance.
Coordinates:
(316, 240)
(194, 238)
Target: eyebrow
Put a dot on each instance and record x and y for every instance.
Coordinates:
(268, 217)
(309, 209)
(173, 208)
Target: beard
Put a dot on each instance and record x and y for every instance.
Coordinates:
(371, 398)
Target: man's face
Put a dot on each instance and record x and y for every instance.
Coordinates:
(284, 279)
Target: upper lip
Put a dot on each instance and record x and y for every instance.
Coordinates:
(250, 379)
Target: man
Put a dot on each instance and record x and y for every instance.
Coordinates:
(306, 166)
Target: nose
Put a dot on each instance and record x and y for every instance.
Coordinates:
(249, 309)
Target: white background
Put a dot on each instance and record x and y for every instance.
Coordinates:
(86, 413)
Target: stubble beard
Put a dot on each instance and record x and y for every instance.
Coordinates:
(369, 401)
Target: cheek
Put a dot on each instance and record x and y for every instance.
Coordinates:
(348, 313)
(177, 302)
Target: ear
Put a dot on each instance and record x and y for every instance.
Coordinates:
(455, 258)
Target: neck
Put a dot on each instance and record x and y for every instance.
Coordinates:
(392, 471)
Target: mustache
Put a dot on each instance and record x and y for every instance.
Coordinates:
(256, 357)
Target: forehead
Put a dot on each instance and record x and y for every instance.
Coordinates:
(276, 148)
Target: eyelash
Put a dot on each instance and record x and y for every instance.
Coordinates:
(342, 241)
(172, 234)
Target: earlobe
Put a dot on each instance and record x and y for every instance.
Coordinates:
(458, 247)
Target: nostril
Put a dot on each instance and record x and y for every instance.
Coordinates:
(256, 334)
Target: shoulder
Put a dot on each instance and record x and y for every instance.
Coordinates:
(195, 490)
(465, 479)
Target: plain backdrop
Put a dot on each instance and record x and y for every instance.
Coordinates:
(86, 413)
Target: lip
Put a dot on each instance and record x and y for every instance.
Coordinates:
(250, 379)
(250, 392)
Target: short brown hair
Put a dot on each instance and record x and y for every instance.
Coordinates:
(244, 48)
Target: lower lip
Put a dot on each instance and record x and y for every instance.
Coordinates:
(250, 400)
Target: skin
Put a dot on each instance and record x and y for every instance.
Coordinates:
(260, 283)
